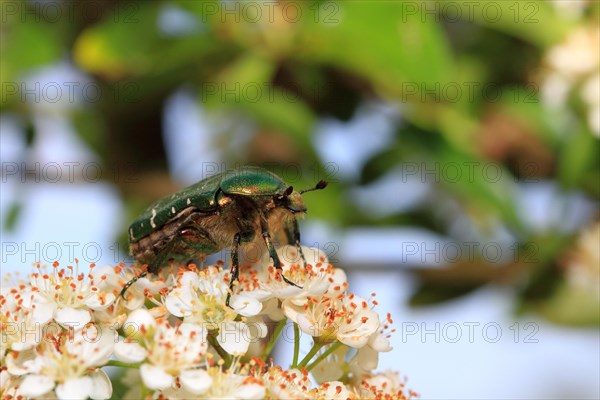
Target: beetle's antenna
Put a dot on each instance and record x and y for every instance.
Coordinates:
(322, 184)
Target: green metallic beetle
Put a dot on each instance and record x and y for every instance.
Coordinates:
(225, 210)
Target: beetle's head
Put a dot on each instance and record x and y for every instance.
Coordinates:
(292, 200)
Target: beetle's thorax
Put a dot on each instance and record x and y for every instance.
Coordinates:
(245, 214)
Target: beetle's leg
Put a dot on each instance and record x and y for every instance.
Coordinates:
(153, 266)
(273, 253)
(131, 282)
(294, 232)
(235, 267)
(189, 241)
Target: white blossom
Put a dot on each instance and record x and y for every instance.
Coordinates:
(200, 298)
(9, 385)
(135, 296)
(385, 385)
(583, 261)
(265, 282)
(68, 296)
(166, 352)
(182, 341)
(333, 367)
(67, 363)
(334, 390)
(291, 384)
(18, 327)
(217, 384)
(347, 318)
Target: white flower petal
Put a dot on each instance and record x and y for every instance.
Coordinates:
(289, 310)
(36, 385)
(135, 300)
(153, 286)
(155, 378)
(75, 389)
(43, 312)
(178, 302)
(234, 337)
(102, 350)
(34, 335)
(108, 271)
(244, 305)
(339, 277)
(367, 358)
(379, 343)
(101, 385)
(130, 352)
(257, 328)
(249, 392)
(287, 291)
(26, 298)
(324, 372)
(296, 314)
(332, 368)
(4, 378)
(272, 310)
(196, 381)
(193, 330)
(314, 255)
(26, 362)
(306, 325)
(334, 390)
(260, 294)
(353, 340)
(92, 344)
(72, 317)
(138, 323)
(189, 279)
(101, 301)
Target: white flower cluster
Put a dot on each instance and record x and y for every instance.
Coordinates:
(583, 260)
(178, 339)
(572, 68)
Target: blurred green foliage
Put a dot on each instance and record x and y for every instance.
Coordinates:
(331, 57)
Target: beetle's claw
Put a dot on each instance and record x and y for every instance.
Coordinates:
(286, 280)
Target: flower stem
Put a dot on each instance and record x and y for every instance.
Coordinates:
(215, 344)
(115, 363)
(296, 345)
(144, 391)
(326, 353)
(273, 340)
(314, 350)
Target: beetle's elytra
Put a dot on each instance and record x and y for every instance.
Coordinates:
(229, 209)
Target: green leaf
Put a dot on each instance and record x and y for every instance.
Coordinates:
(24, 47)
(570, 305)
(578, 155)
(116, 49)
(246, 85)
(90, 127)
(524, 104)
(12, 216)
(381, 163)
(534, 21)
(484, 185)
(427, 294)
(380, 42)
